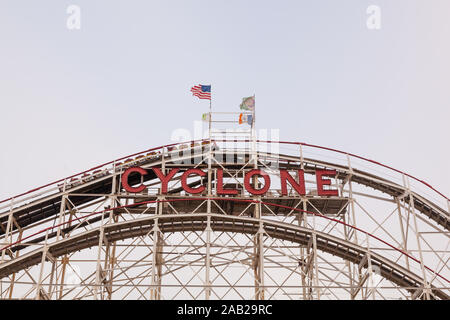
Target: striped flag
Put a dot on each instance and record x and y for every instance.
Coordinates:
(201, 91)
(246, 118)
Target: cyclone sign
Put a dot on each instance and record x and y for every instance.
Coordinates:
(285, 177)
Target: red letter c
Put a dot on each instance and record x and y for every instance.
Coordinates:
(125, 184)
(185, 184)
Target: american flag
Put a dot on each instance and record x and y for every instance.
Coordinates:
(201, 91)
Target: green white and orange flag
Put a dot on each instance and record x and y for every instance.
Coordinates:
(206, 117)
(246, 118)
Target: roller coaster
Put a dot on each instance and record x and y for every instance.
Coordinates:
(382, 233)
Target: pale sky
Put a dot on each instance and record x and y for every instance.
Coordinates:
(72, 99)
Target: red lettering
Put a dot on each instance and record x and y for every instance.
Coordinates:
(186, 175)
(299, 187)
(285, 177)
(165, 179)
(220, 189)
(321, 182)
(125, 183)
(248, 185)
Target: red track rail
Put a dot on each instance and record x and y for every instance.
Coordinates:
(95, 168)
(260, 141)
(235, 200)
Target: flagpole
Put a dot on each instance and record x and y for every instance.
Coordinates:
(210, 117)
(254, 112)
(208, 204)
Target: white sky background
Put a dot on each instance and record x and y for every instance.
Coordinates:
(73, 99)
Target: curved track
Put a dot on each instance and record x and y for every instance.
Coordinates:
(223, 223)
(24, 216)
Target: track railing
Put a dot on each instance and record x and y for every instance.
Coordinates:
(80, 177)
(359, 230)
(422, 187)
